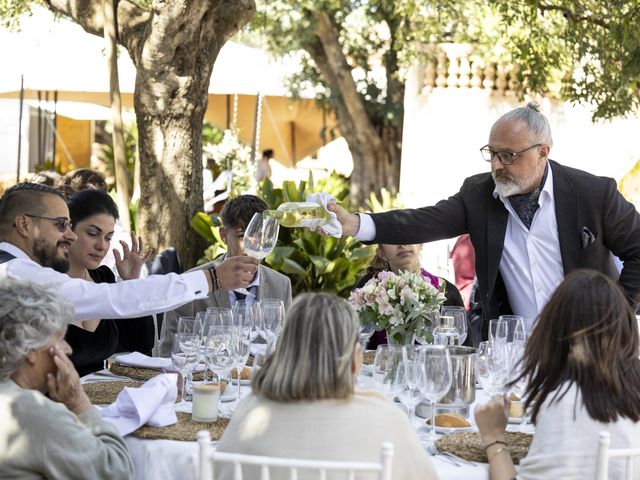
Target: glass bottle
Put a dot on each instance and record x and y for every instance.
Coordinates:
(300, 214)
(446, 333)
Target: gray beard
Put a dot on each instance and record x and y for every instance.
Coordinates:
(48, 257)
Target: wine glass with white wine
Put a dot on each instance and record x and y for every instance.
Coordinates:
(261, 235)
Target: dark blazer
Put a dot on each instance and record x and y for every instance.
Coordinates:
(594, 221)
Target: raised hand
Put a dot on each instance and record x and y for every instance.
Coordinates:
(132, 260)
(491, 419)
(65, 387)
(236, 272)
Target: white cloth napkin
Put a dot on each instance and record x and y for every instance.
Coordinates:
(334, 227)
(152, 404)
(137, 359)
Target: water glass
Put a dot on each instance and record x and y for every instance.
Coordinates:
(459, 315)
(366, 331)
(185, 355)
(437, 375)
(385, 362)
(498, 331)
(493, 367)
(514, 323)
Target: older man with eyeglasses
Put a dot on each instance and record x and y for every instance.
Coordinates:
(531, 221)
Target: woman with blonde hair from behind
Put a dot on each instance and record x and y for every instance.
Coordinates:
(303, 403)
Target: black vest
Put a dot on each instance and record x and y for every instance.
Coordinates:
(5, 256)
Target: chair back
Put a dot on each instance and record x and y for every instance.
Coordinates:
(605, 454)
(208, 458)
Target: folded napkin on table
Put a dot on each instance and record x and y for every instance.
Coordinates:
(137, 359)
(334, 227)
(152, 404)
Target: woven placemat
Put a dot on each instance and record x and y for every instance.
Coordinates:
(185, 430)
(139, 373)
(468, 445)
(368, 357)
(104, 393)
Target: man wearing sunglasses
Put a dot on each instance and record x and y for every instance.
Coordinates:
(35, 235)
(531, 221)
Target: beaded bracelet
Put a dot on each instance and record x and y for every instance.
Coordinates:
(501, 449)
(495, 443)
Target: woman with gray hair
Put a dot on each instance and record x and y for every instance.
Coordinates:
(303, 403)
(64, 438)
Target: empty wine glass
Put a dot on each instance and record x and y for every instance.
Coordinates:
(366, 331)
(459, 315)
(411, 396)
(493, 367)
(272, 320)
(514, 322)
(385, 362)
(190, 325)
(239, 348)
(185, 355)
(261, 235)
(498, 331)
(436, 371)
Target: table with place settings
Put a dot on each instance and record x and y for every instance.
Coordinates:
(160, 459)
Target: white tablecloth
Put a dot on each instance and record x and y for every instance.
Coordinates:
(175, 460)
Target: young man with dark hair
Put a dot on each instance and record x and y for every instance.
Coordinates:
(266, 283)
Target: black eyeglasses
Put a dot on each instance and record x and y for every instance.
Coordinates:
(506, 158)
(61, 223)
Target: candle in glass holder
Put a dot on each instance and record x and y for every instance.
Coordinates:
(205, 402)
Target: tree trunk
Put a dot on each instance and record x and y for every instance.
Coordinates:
(375, 150)
(173, 47)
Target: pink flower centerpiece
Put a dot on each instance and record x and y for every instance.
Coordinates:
(402, 304)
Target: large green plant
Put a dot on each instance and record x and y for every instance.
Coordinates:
(312, 262)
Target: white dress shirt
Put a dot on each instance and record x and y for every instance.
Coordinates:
(251, 291)
(531, 263)
(130, 298)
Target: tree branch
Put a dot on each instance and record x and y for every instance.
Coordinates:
(88, 14)
(570, 14)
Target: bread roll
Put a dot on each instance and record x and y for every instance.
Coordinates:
(245, 375)
(450, 420)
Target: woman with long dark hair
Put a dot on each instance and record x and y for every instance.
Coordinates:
(582, 366)
(93, 217)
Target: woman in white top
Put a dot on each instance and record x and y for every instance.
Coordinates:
(583, 372)
(303, 403)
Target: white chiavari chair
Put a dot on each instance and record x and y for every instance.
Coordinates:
(208, 458)
(605, 454)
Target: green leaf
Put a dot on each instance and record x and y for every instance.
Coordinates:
(202, 224)
(321, 263)
(293, 267)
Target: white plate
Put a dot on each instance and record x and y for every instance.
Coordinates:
(517, 420)
(447, 431)
(367, 370)
(229, 395)
(242, 382)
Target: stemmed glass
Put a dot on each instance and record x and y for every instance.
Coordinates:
(437, 375)
(514, 323)
(185, 355)
(498, 331)
(366, 331)
(190, 325)
(218, 343)
(493, 367)
(411, 395)
(261, 235)
(459, 315)
(385, 363)
(272, 320)
(240, 347)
